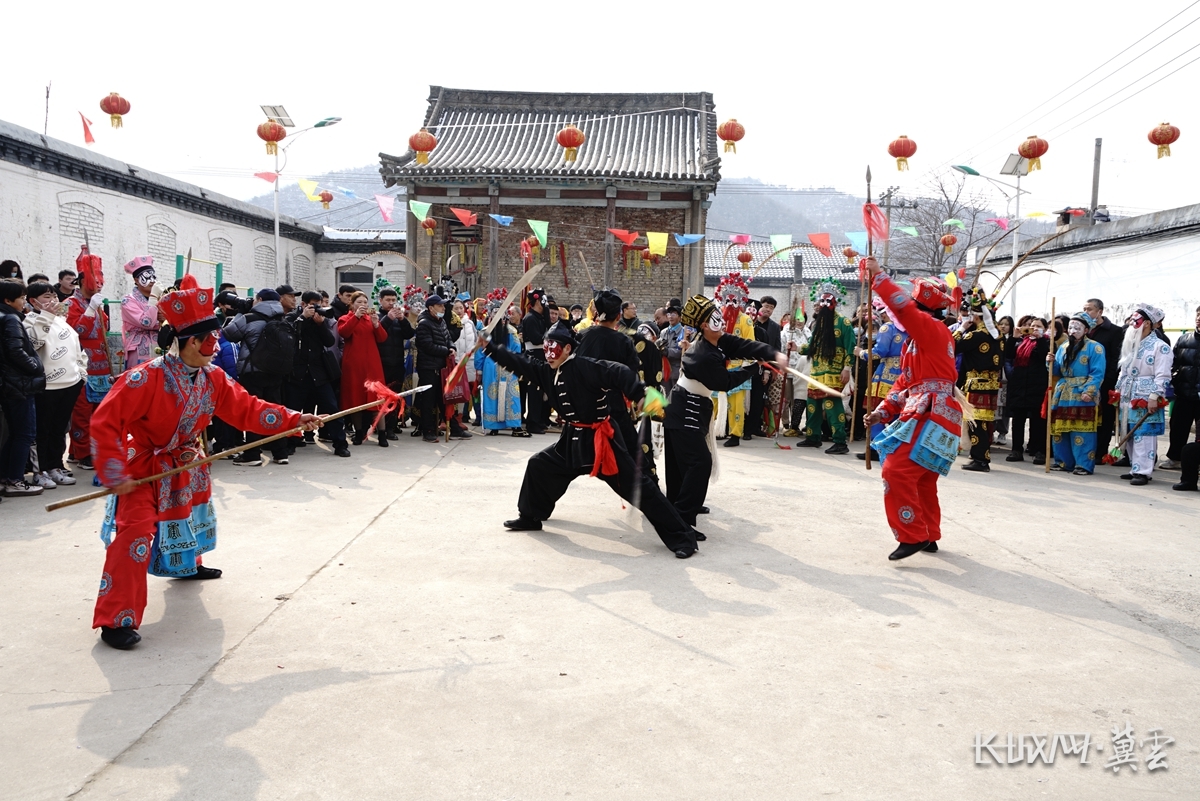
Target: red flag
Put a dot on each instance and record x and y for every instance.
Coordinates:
(625, 236)
(875, 221)
(821, 243)
(269, 177)
(87, 130)
(465, 217)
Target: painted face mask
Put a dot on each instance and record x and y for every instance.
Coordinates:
(1076, 329)
(554, 350)
(146, 278)
(827, 301)
(1136, 320)
(716, 322)
(208, 345)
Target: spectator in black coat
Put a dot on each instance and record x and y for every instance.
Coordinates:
(391, 350)
(22, 377)
(1185, 380)
(1026, 389)
(434, 344)
(1110, 337)
(315, 372)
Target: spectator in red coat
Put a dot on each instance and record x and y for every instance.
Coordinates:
(361, 331)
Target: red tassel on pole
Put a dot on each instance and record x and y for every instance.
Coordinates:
(394, 402)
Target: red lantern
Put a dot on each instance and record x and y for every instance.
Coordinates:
(902, 150)
(114, 105)
(1033, 149)
(272, 132)
(572, 139)
(745, 257)
(850, 253)
(731, 132)
(430, 225)
(422, 142)
(326, 198)
(1164, 136)
(949, 241)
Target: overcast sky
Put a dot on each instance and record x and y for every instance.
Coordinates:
(821, 88)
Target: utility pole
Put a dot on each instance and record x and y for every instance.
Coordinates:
(888, 205)
(1095, 182)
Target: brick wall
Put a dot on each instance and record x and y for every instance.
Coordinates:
(76, 218)
(264, 267)
(221, 250)
(302, 272)
(160, 243)
(583, 229)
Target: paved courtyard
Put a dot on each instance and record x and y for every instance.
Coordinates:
(377, 634)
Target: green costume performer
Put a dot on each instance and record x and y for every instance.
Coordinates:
(831, 348)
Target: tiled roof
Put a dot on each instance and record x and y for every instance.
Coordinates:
(511, 135)
(780, 271)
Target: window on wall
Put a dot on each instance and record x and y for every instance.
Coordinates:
(221, 250)
(160, 243)
(359, 277)
(264, 266)
(301, 272)
(74, 220)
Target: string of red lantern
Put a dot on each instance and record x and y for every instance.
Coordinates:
(115, 107)
(902, 150)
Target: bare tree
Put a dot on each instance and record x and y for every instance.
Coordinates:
(948, 199)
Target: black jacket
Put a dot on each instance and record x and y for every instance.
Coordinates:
(21, 372)
(1185, 372)
(1027, 385)
(433, 345)
(706, 363)
(312, 340)
(533, 333)
(607, 344)
(391, 350)
(1110, 337)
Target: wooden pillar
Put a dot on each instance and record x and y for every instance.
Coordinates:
(493, 239)
(610, 222)
(410, 236)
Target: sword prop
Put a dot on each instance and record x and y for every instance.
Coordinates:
(104, 493)
(814, 383)
(517, 290)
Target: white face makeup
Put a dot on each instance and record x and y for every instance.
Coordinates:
(146, 278)
(1076, 329)
(716, 322)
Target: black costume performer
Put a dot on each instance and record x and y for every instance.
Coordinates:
(689, 416)
(588, 445)
(533, 335)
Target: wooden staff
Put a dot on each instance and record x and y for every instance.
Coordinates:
(1050, 385)
(104, 493)
(870, 326)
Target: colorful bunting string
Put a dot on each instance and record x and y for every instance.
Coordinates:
(88, 139)
(780, 242)
(821, 243)
(683, 240)
(465, 217)
(309, 189)
(269, 177)
(740, 239)
(540, 229)
(627, 237)
(657, 243)
(858, 240)
(999, 221)
(420, 210)
(386, 204)
(955, 224)
(911, 230)
(503, 219)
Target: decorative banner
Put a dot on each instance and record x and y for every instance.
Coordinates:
(503, 219)
(386, 204)
(955, 223)
(269, 177)
(876, 222)
(540, 229)
(308, 188)
(780, 242)
(858, 239)
(740, 239)
(347, 192)
(658, 243)
(911, 230)
(687, 239)
(88, 139)
(1000, 221)
(465, 217)
(625, 236)
(821, 243)
(420, 210)
(1037, 214)
(951, 279)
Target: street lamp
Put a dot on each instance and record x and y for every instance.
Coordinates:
(1016, 166)
(280, 115)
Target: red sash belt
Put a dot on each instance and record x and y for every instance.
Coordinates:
(605, 463)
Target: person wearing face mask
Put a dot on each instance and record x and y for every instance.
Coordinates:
(589, 445)
(689, 423)
(1144, 373)
(140, 317)
(66, 368)
(434, 345)
(1074, 406)
(1027, 390)
(151, 422)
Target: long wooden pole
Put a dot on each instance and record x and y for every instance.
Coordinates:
(870, 330)
(1051, 382)
(104, 493)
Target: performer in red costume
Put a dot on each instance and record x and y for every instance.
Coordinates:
(151, 422)
(85, 314)
(924, 421)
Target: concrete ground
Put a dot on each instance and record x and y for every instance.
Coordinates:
(377, 634)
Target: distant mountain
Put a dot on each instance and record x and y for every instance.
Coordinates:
(750, 206)
(360, 211)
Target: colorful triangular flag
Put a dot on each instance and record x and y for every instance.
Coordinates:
(740, 239)
(627, 237)
(780, 242)
(687, 239)
(999, 221)
(309, 188)
(540, 229)
(955, 224)
(503, 219)
(658, 243)
(858, 240)
(821, 243)
(911, 230)
(420, 210)
(465, 217)
(347, 192)
(88, 139)
(386, 204)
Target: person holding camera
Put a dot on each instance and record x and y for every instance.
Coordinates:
(399, 330)
(316, 372)
(266, 352)
(361, 330)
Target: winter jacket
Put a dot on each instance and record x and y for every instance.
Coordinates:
(433, 345)
(58, 349)
(391, 350)
(464, 344)
(1110, 337)
(1185, 372)
(245, 332)
(312, 340)
(1027, 384)
(21, 374)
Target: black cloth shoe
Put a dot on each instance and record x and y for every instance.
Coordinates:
(863, 456)
(1039, 459)
(1139, 480)
(1015, 456)
(1183, 486)
(907, 549)
(684, 553)
(536, 430)
(122, 639)
(462, 433)
(838, 448)
(976, 466)
(393, 436)
(748, 436)
(809, 443)
(703, 510)
(1081, 471)
(203, 573)
(342, 451)
(699, 535)
(309, 438)
(523, 524)
(1123, 462)
(431, 438)
(383, 440)
(732, 442)
(86, 463)
(1126, 476)
(931, 547)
